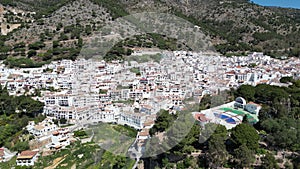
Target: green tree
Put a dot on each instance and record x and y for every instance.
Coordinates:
(59, 26)
(296, 162)
(244, 157)
(31, 53)
(246, 91)
(63, 121)
(283, 133)
(286, 79)
(80, 133)
(245, 119)
(245, 134)
(189, 143)
(37, 45)
(217, 154)
(55, 44)
(269, 162)
(21, 146)
(163, 121)
(80, 42)
(210, 129)
(120, 162)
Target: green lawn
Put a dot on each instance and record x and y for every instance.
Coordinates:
(113, 138)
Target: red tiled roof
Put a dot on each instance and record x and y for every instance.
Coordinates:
(144, 133)
(55, 132)
(149, 123)
(254, 103)
(201, 117)
(27, 154)
(231, 72)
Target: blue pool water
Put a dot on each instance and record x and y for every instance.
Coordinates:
(231, 121)
(221, 116)
(226, 118)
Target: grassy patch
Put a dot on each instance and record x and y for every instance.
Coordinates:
(124, 101)
(67, 125)
(144, 58)
(114, 138)
(125, 130)
(81, 134)
(120, 87)
(83, 156)
(9, 164)
(136, 71)
(22, 63)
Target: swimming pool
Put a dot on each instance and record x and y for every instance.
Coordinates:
(230, 120)
(222, 116)
(226, 118)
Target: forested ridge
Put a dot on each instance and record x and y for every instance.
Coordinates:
(234, 27)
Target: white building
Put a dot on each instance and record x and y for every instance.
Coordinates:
(27, 158)
(60, 139)
(6, 155)
(43, 128)
(135, 120)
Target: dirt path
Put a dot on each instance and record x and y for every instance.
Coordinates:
(56, 162)
(73, 166)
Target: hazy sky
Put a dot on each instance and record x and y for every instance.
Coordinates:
(281, 3)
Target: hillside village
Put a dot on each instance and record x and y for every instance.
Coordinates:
(131, 93)
(107, 112)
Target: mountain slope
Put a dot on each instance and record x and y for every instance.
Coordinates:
(235, 27)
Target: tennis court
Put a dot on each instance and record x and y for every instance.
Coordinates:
(250, 118)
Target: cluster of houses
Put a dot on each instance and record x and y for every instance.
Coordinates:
(48, 138)
(131, 93)
(54, 137)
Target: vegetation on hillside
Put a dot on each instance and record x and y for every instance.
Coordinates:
(149, 40)
(88, 155)
(43, 8)
(239, 26)
(116, 9)
(15, 112)
(278, 128)
(235, 27)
